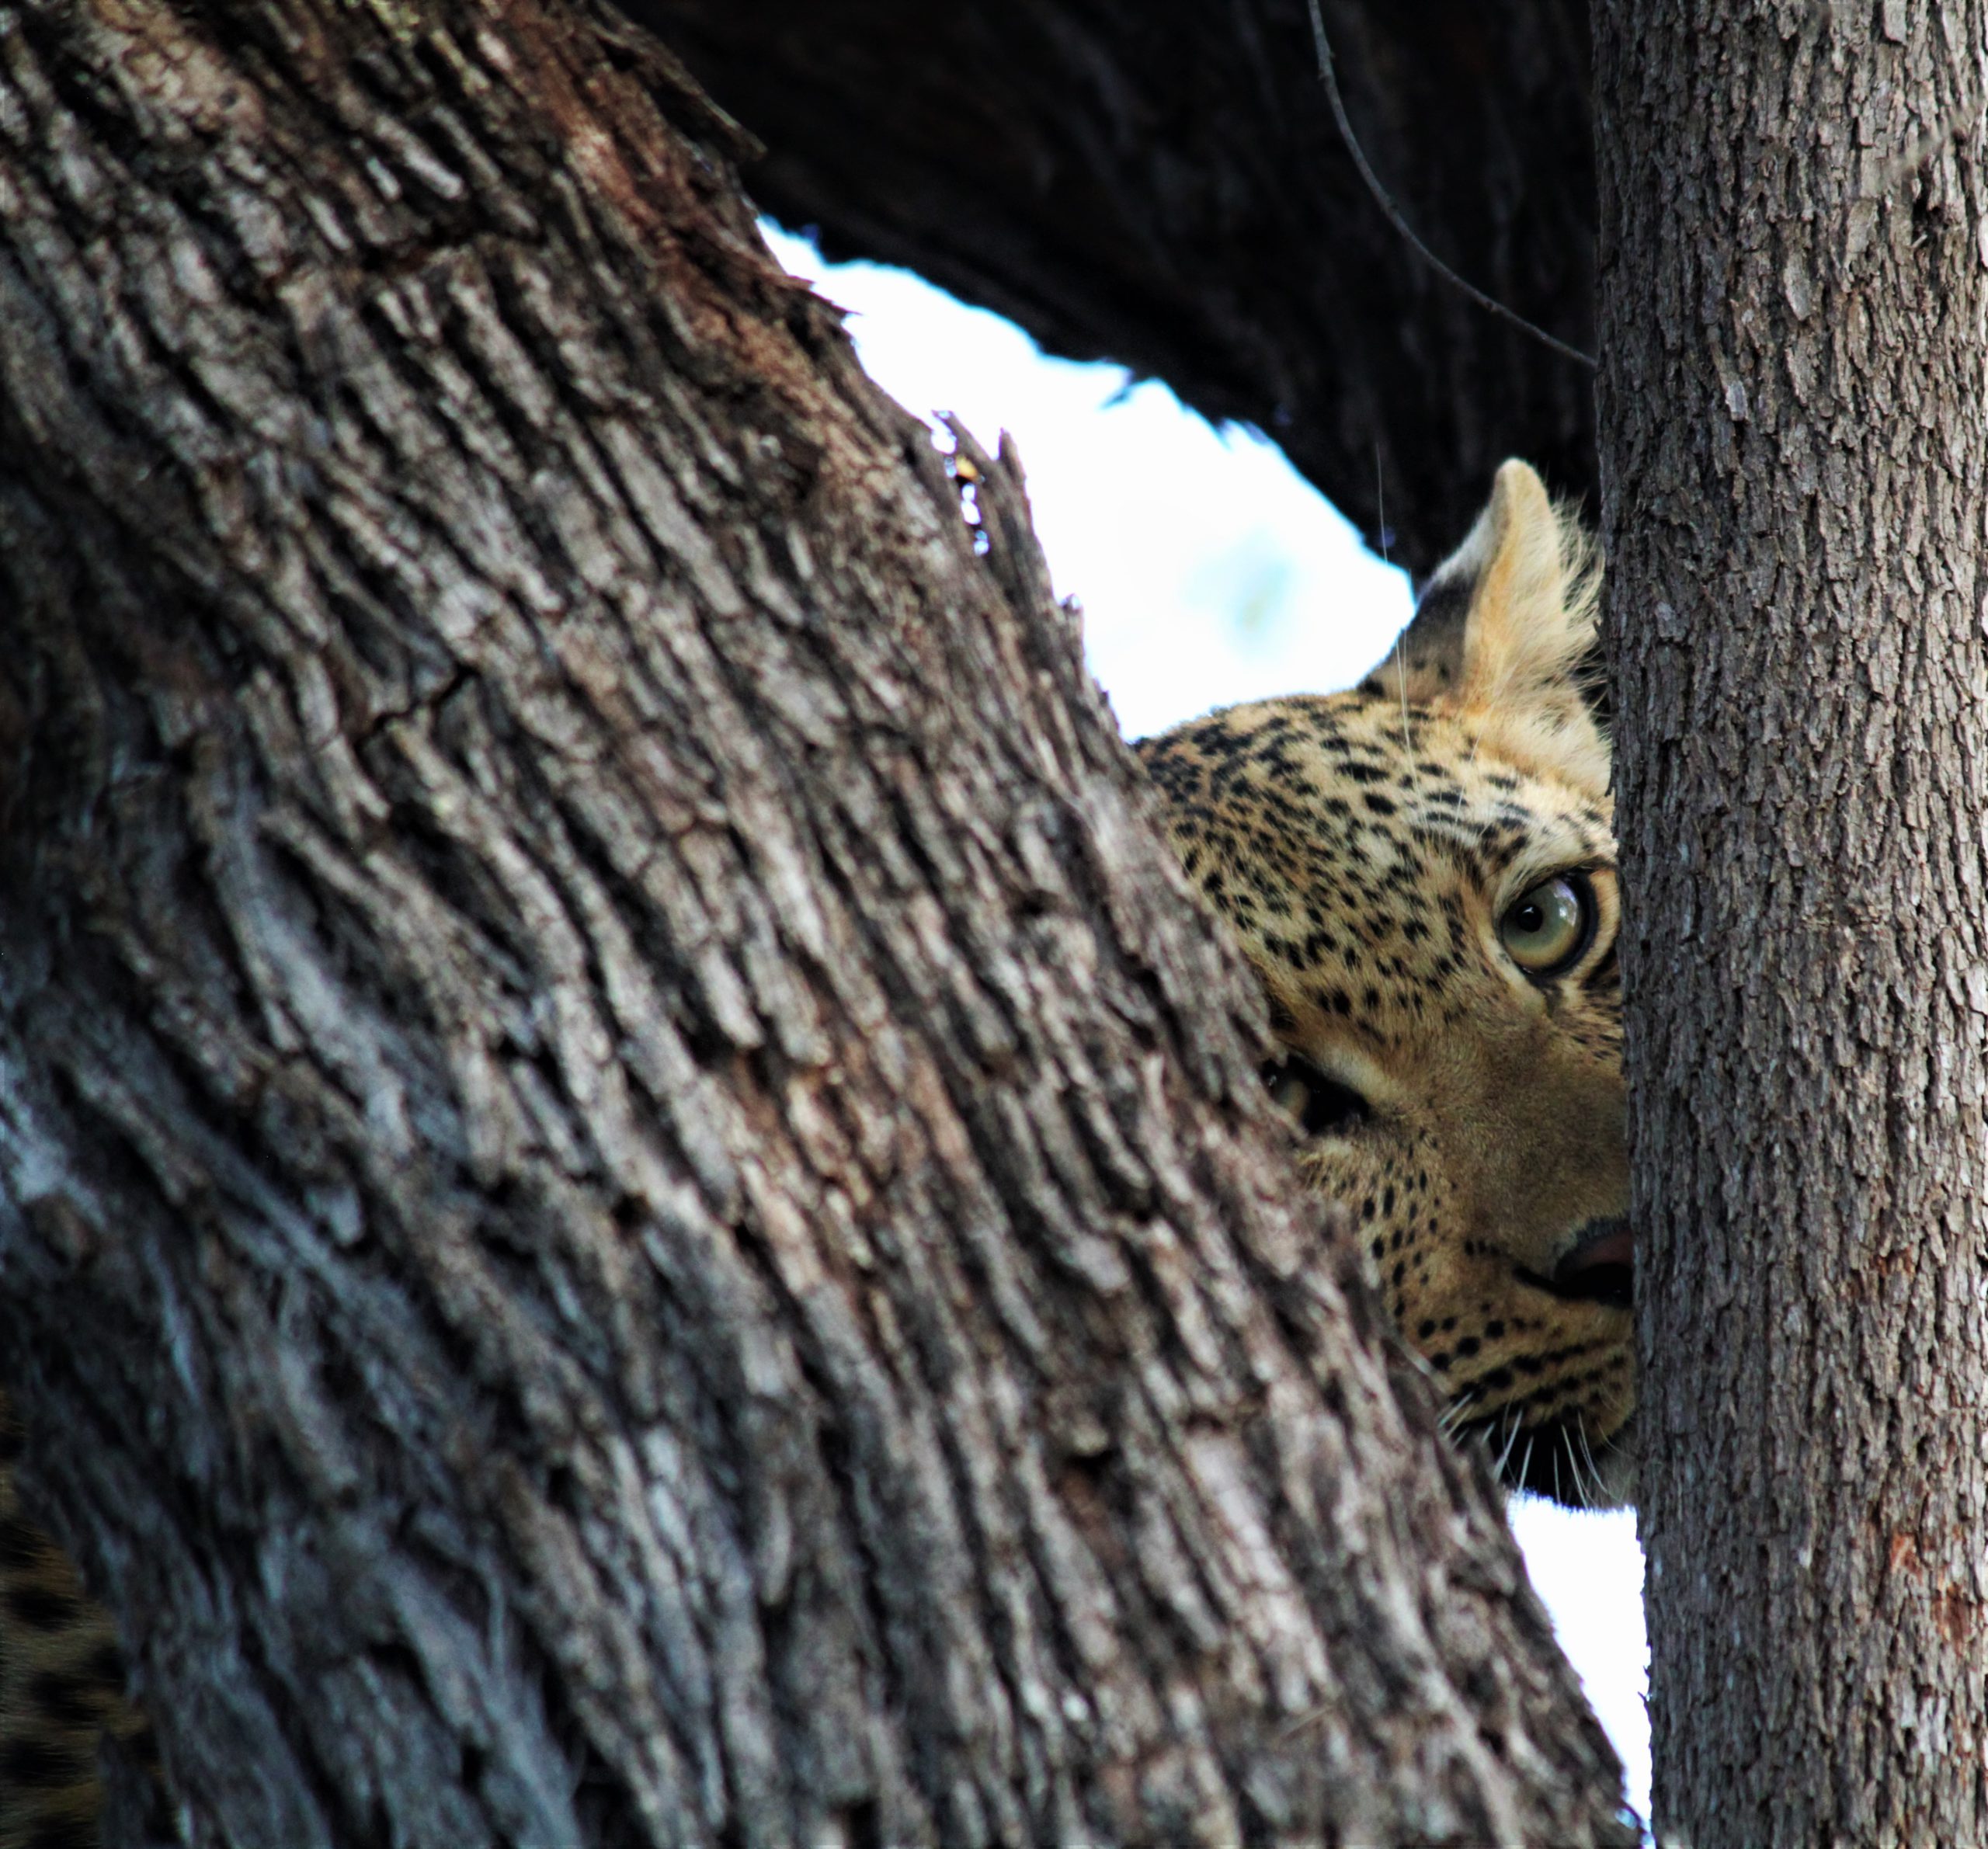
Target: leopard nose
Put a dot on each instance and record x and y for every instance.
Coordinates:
(1602, 1264)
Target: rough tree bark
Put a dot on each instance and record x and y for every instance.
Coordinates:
(1795, 316)
(1161, 184)
(633, 1205)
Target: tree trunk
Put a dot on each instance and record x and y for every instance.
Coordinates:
(634, 1207)
(1161, 184)
(1795, 314)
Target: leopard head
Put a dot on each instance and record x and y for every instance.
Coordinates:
(1422, 872)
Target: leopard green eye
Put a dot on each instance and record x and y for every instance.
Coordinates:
(1548, 927)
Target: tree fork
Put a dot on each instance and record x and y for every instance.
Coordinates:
(634, 1207)
(1795, 441)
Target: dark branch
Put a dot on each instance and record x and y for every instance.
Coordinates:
(1162, 185)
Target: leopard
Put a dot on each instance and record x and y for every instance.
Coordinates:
(1421, 872)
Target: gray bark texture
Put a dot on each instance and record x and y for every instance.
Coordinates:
(1794, 322)
(634, 1205)
(1161, 184)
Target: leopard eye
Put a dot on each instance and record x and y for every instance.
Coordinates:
(1318, 1105)
(1547, 928)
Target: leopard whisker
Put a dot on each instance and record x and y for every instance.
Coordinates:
(1583, 1496)
(1595, 1499)
(1452, 1418)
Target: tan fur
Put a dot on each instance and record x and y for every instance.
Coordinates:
(1533, 583)
(1363, 847)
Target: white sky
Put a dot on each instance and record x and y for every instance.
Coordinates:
(1209, 572)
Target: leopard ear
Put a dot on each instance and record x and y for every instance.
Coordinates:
(1502, 630)
(1427, 661)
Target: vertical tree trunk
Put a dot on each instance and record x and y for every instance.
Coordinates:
(633, 1207)
(1795, 441)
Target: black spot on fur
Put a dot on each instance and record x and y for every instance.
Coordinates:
(34, 1764)
(39, 1607)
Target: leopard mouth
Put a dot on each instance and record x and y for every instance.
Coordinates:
(1557, 1458)
(1561, 1457)
(1600, 1267)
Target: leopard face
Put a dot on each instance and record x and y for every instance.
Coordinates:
(1421, 871)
